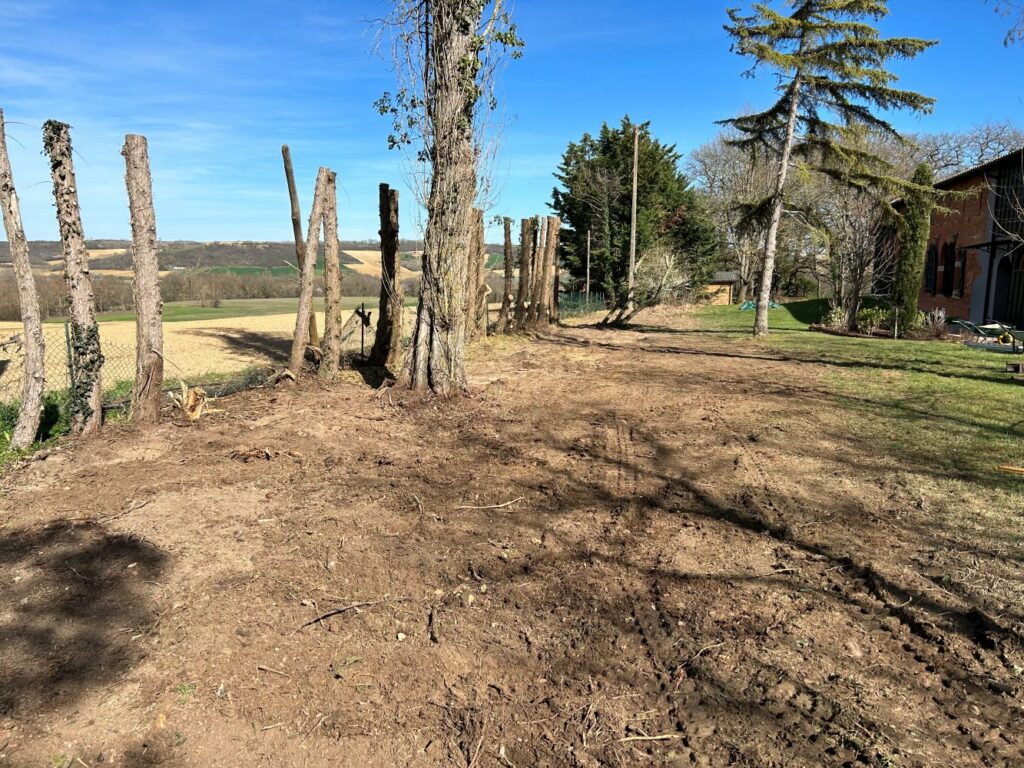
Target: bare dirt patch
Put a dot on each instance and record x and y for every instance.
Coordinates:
(623, 549)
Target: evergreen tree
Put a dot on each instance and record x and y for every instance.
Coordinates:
(914, 231)
(830, 63)
(595, 178)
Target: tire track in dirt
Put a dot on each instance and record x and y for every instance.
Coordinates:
(860, 585)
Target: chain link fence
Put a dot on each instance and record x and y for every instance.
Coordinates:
(222, 355)
(117, 373)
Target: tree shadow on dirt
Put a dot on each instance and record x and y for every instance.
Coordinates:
(273, 346)
(619, 596)
(75, 600)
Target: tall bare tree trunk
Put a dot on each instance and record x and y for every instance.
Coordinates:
(316, 216)
(387, 345)
(772, 238)
(331, 344)
(147, 391)
(85, 403)
(28, 300)
(437, 359)
(546, 282)
(300, 246)
(526, 248)
(556, 233)
(507, 299)
(537, 291)
(632, 220)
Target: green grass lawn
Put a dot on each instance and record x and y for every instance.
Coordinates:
(176, 312)
(943, 408)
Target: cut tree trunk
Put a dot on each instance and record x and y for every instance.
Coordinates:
(300, 246)
(526, 248)
(507, 299)
(537, 272)
(85, 405)
(387, 344)
(331, 343)
(29, 414)
(316, 215)
(147, 392)
(437, 358)
(546, 281)
(556, 233)
(483, 290)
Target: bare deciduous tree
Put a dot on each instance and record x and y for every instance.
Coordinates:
(316, 215)
(950, 152)
(732, 178)
(85, 403)
(387, 345)
(147, 391)
(28, 301)
(300, 246)
(1015, 10)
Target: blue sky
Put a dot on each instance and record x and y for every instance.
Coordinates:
(218, 86)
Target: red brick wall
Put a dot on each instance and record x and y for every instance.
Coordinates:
(966, 221)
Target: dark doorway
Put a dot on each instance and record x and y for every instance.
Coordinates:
(1008, 306)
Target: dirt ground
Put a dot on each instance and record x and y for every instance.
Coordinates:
(624, 548)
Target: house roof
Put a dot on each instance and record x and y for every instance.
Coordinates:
(724, 277)
(982, 168)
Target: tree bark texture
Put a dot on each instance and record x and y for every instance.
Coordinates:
(85, 404)
(301, 338)
(483, 290)
(537, 271)
(471, 280)
(526, 248)
(34, 383)
(547, 267)
(387, 344)
(556, 235)
(147, 392)
(331, 342)
(507, 298)
(437, 358)
(300, 246)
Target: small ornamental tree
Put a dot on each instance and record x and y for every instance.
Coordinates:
(830, 63)
(914, 230)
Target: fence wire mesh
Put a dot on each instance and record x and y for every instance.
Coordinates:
(117, 373)
(223, 354)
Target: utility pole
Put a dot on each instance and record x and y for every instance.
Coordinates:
(632, 225)
(586, 290)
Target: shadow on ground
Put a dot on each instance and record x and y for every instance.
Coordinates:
(73, 596)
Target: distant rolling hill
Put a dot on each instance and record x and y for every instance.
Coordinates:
(113, 257)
